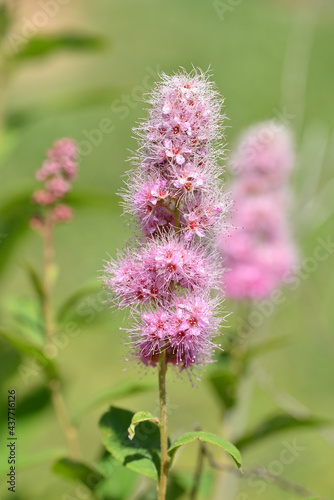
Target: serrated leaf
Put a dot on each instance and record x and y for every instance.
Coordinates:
(142, 454)
(275, 424)
(32, 350)
(140, 416)
(118, 391)
(41, 46)
(207, 437)
(78, 471)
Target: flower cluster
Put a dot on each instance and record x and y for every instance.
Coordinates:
(174, 196)
(258, 250)
(57, 173)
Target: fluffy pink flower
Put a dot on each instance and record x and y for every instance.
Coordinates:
(184, 330)
(175, 197)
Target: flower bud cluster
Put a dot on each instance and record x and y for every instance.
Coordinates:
(57, 173)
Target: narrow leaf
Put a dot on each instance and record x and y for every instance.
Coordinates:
(40, 46)
(34, 279)
(141, 454)
(78, 471)
(118, 391)
(69, 308)
(277, 423)
(15, 214)
(206, 437)
(31, 350)
(139, 417)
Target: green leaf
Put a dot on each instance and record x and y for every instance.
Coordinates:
(26, 318)
(62, 103)
(69, 309)
(15, 214)
(34, 279)
(141, 454)
(118, 391)
(10, 359)
(39, 458)
(119, 481)
(78, 471)
(40, 46)
(32, 350)
(35, 401)
(274, 424)
(140, 416)
(207, 437)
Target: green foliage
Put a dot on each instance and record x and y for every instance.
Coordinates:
(10, 359)
(275, 424)
(117, 391)
(34, 278)
(141, 454)
(26, 318)
(40, 46)
(64, 103)
(206, 437)
(78, 471)
(140, 416)
(35, 401)
(119, 482)
(15, 214)
(32, 350)
(176, 488)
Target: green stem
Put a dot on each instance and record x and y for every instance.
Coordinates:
(163, 427)
(58, 402)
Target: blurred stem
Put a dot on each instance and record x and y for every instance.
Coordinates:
(48, 270)
(234, 418)
(163, 427)
(198, 472)
(58, 402)
(64, 420)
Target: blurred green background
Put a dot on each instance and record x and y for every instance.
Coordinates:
(270, 60)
